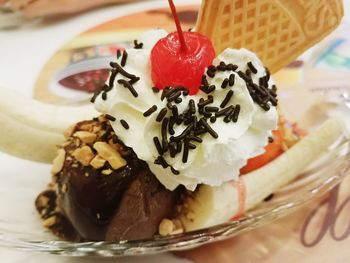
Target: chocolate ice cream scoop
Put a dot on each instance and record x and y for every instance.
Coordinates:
(142, 207)
(104, 190)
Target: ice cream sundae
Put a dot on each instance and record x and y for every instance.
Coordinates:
(185, 138)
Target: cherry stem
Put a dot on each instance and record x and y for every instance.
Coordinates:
(178, 26)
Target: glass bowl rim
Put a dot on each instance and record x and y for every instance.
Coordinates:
(195, 238)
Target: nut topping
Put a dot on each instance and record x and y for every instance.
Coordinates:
(107, 172)
(67, 133)
(50, 221)
(98, 162)
(86, 127)
(58, 162)
(86, 137)
(84, 155)
(108, 153)
(170, 227)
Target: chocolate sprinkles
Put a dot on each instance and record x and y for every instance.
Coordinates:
(197, 118)
(205, 81)
(127, 85)
(122, 71)
(174, 95)
(96, 93)
(226, 99)
(110, 117)
(161, 114)
(158, 145)
(260, 93)
(124, 124)
(211, 109)
(231, 67)
(211, 72)
(161, 161)
(184, 133)
(231, 80)
(138, 45)
(164, 134)
(155, 89)
(224, 83)
(206, 89)
(251, 67)
(196, 139)
(178, 100)
(171, 125)
(192, 106)
(191, 146)
(164, 93)
(116, 68)
(174, 171)
(124, 58)
(222, 66)
(203, 103)
(236, 113)
(224, 111)
(268, 75)
(186, 151)
(172, 149)
(208, 128)
(114, 73)
(150, 111)
(175, 111)
(119, 53)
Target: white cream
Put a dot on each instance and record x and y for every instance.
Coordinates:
(214, 161)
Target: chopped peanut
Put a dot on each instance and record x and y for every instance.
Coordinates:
(170, 227)
(86, 127)
(110, 154)
(96, 129)
(107, 172)
(58, 162)
(166, 227)
(64, 188)
(84, 155)
(98, 162)
(86, 137)
(49, 222)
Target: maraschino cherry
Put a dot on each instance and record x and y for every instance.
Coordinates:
(180, 58)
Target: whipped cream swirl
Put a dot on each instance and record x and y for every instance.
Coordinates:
(215, 160)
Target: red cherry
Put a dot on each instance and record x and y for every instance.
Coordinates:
(172, 65)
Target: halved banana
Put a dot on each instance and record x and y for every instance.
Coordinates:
(31, 129)
(215, 205)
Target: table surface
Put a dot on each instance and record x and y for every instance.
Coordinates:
(19, 52)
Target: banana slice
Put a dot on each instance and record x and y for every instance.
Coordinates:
(31, 129)
(215, 205)
(46, 117)
(26, 142)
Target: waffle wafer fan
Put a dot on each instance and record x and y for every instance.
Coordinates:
(277, 30)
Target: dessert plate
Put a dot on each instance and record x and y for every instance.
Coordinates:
(20, 226)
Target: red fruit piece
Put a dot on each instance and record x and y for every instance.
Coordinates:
(272, 151)
(172, 65)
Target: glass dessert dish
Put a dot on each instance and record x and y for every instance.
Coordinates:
(120, 177)
(21, 227)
